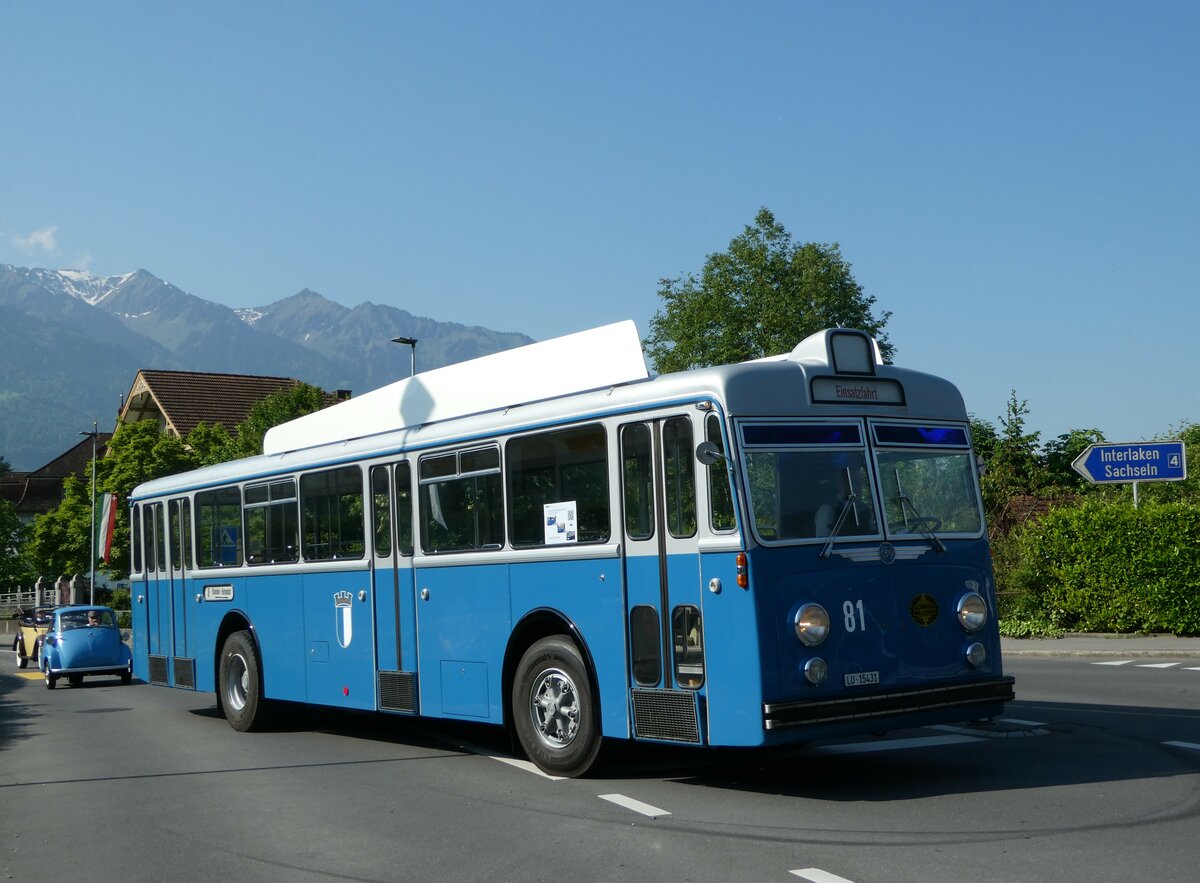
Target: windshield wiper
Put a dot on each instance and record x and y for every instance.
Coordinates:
(847, 507)
(925, 525)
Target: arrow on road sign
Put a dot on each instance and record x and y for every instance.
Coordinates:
(1107, 463)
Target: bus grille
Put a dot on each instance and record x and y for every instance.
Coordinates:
(397, 691)
(981, 693)
(666, 715)
(158, 670)
(185, 672)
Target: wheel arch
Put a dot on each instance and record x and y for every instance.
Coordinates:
(546, 622)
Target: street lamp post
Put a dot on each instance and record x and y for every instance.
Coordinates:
(92, 550)
(412, 342)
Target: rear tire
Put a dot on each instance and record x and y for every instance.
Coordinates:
(554, 710)
(51, 680)
(127, 675)
(239, 684)
(22, 659)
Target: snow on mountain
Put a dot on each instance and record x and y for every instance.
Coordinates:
(78, 284)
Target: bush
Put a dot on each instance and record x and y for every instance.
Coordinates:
(1105, 566)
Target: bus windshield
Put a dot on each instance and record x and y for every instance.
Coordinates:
(927, 480)
(802, 477)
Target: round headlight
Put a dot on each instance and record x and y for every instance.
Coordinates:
(815, 671)
(976, 655)
(972, 611)
(812, 624)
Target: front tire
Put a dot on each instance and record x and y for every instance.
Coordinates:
(554, 710)
(239, 684)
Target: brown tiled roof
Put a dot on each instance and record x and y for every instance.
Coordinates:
(41, 490)
(187, 398)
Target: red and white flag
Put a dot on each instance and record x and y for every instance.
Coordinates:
(106, 523)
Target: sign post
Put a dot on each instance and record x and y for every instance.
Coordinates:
(1132, 462)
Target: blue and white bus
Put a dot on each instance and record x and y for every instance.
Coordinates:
(552, 540)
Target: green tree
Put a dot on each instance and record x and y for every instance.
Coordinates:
(279, 408)
(59, 541)
(14, 570)
(1061, 452)
(760, 298)
(1010, 456)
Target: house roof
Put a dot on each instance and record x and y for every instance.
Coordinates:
(180, 400)
(41, 490)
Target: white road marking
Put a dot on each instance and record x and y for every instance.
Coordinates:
(893, 744)
(816, 875)
(1021, 723)
(1192, 745)
(1157, 664)
(523, 765)
(636, 805)
(1121, 662)
(1192, 668)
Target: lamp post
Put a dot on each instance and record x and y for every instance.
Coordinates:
(92, 549)
(412, 342)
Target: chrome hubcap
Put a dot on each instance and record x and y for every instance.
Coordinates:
(555, 708)
(237, 682)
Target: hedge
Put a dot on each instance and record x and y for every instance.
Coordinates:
(1107, 567)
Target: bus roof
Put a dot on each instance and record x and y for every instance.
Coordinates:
(835, 373)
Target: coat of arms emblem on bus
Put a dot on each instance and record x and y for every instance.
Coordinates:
(343, 617)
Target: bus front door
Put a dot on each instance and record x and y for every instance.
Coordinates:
(662, 567)
(159, 614)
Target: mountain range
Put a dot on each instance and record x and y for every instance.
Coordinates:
(72, 342)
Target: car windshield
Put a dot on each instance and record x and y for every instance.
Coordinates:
(80, 619)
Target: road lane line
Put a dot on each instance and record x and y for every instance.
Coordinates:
(816, 875)
(1120, 662)
(1157, 664)
(1191, 745)
(523, 765)
(636, 805)
(1021, 723)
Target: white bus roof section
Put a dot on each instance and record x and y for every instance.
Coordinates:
(595, 359)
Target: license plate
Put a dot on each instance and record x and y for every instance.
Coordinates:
(861, 678)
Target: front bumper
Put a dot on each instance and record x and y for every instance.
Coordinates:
(988, 694)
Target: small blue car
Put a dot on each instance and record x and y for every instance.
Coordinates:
(84, 640)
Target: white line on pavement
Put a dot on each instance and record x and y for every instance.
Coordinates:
(524, 765)
(1121, 662)
(1192, 745)
(1157, 664)
(816, 875)
(636, 805)
(1020, 723)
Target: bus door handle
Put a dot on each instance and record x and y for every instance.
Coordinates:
(424, 594)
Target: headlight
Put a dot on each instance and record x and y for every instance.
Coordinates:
(815, 671)
(972, 611)
(812, 624)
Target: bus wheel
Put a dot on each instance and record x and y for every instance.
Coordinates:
(239, 685)
(553, 708)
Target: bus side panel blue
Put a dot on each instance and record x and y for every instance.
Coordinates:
(465, 622)
(271, 604)
(141, 629)
(339, 639)
(588, 593)
(733, 658)
(386, 619)
(204, 621)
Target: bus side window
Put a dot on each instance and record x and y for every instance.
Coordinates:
(332, 503)
(462, 501)
(720, 496)
(645, 642)
(680, 477)
(404, 508)
(135, 535)
(219, 527)
(381, 512)
(563, 471)
(638, 481)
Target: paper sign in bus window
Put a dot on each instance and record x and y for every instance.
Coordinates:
(560, 523)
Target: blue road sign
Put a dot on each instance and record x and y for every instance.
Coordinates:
(1137, 461)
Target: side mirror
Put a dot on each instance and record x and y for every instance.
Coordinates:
(708, 454)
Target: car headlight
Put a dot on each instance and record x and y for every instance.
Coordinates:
(812, 624)
(972, 611)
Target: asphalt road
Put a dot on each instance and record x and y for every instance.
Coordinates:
(1092, 775)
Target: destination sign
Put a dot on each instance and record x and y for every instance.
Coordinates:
(857, 391)
(1106, 463)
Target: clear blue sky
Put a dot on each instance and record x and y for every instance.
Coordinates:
(1018, 182)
